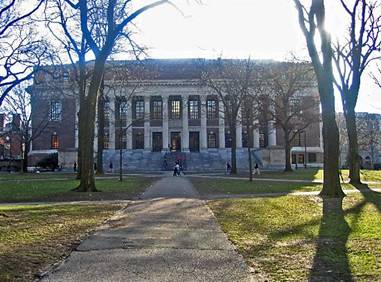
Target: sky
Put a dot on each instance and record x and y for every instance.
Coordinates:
(261, 29)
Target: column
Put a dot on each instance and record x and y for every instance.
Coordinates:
(147, 143)
(271, 131)
(129, 124)
(111, 126)
(239, 130)
(165, 124)
(256, 134)
(203, 136)
(185, 131)
(221, 124)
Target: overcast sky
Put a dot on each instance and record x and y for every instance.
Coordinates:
(262, 29)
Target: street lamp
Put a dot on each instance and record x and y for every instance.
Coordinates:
(305, 148)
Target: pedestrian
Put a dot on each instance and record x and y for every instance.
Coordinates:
(176, 169)
(95, 167)
(256, 169)
(228, 168)
(111, 166)
(75, 166)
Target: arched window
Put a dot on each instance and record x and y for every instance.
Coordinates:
(55, 142)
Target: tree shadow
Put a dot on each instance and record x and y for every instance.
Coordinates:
(331, 261)
(370, 195)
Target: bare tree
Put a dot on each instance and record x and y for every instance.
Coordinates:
(312, 21)
(18, 102)
(231, 81)
(369, 134)
(21, 49)
(351, 59)
(102, 24)
(292, 103)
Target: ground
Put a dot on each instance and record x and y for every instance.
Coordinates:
(281, 235)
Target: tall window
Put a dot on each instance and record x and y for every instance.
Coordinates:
(212, 140)
(55, 143)
(262, 142)
(122, 140)
(106, 139)
(123, 113)
(228, 139)
(175, 109)
(245, 139)
(194, 109)
(106, 109)
(139, 109)
(211, 109)
(55, 112)
(157, 109)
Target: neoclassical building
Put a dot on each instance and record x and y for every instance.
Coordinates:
(162, 116)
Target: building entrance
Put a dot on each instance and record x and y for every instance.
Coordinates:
(157, 141)
(175, 141)
(194, 141)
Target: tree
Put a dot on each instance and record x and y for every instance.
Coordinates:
(351, 59)
(18, 102)
(21, 49)
(231, 81)
(291, 101)
(102, 24)
(369, 134)
(312, 21)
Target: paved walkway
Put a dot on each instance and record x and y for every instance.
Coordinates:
(168, 235)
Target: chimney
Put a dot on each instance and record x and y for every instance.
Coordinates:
(16, 121)
(2, 119)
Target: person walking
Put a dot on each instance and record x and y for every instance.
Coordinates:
(256, 169)
(228, 168)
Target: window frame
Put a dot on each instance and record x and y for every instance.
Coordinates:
(55, 110)
(211, 109)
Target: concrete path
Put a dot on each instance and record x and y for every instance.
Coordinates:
(168, 235)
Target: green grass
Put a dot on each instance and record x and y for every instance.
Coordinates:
(226, 186)
(317, 174)
(290, 238)
(57, 190)
(34, 236)
(44, 175)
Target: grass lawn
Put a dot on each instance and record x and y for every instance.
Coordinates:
(60, 190)
(294, 238)
(34, 236)
(225, 186)
(44, 175)
(317, 174)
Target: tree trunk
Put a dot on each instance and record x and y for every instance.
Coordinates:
(234, 149)
(250, 164)
(287, 153)
(87, 126)
(353, 155)
(101, 130)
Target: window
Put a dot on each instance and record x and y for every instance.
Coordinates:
(139, 141)
(212, 140)
(245, 139)
(55, 111)
(157, 109)
(300, 158)
(139, 109)
(65, 76)
(106, 139)
(262, 142)
(55, 143)
(312, 157)
(211, 109)
(106, 109)
(123, 113)
(175, 109)
(194, 109)
(228, 139)
(293, 158)
(122, 140)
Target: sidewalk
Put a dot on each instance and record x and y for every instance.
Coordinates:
(168, 235)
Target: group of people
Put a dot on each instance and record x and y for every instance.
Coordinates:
(229, 168)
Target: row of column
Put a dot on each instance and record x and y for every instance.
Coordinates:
(185, 127)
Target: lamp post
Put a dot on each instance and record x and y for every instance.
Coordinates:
(8, 143)
(305, 149)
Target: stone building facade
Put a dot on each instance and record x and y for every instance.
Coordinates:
(157, 120)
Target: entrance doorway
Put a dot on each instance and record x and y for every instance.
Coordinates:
(175, 141)
(194, 141)
(157, 141)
